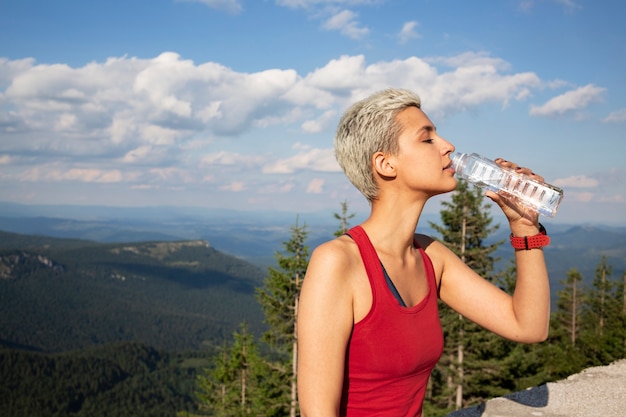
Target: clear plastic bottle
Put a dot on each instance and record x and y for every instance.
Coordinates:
(476, 169)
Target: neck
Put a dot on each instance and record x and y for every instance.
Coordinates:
(391, 224)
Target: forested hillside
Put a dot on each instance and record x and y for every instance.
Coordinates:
(58, 295)
(125, 379)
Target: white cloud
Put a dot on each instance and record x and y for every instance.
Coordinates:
(137, 154)
(526, 5)
(616, 117)
(65, 121)
(339, 75)
(345, 22)
(308, 4)
(277, 187)
(333, 14)
(174, 174)
(581, 197)
(474, 79)
(231, 158)
(9, 69)
(613, 198)
(314, 159)
(82, 175)
(471, 59)
(323, 122)
(568, 5)
(298, 146)
(408, 32)
(230, 6)
(577, 181)
(127, 102)
(235, 186)
(602, 187)
(570, 101)
(172, 115)
(315, 186)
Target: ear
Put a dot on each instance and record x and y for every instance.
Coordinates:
(383, 165)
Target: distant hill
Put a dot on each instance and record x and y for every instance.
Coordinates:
(580, 247)
(256, 235)
(63, 294)
(250, 235)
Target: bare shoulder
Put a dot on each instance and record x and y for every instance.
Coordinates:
(330, 288)
(333, 258)
(335, 275)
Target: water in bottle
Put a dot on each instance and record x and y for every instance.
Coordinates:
(476, 169)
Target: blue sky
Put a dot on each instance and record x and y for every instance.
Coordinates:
(233, 103)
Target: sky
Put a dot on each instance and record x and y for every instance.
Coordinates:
(234, 103)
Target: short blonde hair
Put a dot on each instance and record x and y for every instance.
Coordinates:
(367, 127)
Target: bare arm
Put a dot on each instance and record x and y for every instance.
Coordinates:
(325, 319)
(525, 316)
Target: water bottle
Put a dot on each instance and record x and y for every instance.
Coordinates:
(478, 170)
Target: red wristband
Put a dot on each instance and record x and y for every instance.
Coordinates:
(531, 242)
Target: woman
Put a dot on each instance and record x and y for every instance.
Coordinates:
(368, 327)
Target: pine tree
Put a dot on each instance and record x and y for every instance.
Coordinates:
(233, 385)
(569, 304)
(563, 355)
(466, 224)
(343, 218)
(622, 314)
(603, 320)
(279, 300)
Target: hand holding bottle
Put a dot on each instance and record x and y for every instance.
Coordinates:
(523, 219)
(520, 186)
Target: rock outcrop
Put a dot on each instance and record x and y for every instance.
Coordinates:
(599, 391)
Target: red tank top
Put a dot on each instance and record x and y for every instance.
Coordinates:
(393, 350)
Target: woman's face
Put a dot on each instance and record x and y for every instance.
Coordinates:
(423, 160)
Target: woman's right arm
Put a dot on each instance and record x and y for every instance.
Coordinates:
(325, 318)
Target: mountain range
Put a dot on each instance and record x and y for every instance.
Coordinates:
(178, 279)
(255, 236)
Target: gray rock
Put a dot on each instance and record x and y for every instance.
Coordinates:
(599, 391)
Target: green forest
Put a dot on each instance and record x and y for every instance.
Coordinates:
(175, 296)
(173, 362)
(588, 328)
(121, 379)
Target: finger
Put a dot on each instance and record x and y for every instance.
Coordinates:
(512, 208)
(529, 172)
(498, 199)
(510, 165)
(506, 164)
(515, 167)
(524, 170)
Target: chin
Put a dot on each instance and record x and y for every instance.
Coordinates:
(452, 186)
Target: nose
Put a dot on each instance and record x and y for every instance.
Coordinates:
(447, 147)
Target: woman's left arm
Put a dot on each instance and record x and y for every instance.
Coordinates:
(524, 316)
